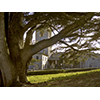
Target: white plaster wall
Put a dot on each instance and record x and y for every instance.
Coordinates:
(44, 61)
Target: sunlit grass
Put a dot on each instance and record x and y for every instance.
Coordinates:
(43, 78)
(78, 77)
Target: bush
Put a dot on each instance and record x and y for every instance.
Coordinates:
(43, 72)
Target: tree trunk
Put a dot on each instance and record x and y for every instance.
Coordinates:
(13, 45)
(23, 71)
(22, 75)
(6, 66)
(7, 72)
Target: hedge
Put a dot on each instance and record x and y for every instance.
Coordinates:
(55, 71)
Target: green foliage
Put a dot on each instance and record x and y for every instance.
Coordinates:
(73, 57)
(33, 60)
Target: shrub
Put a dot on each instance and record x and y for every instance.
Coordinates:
(43, 72)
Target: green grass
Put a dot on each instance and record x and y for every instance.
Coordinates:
(84, 78)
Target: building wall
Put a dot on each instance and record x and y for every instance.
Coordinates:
(39, 58)
(91, 63)
(42, 61)
(44, 54)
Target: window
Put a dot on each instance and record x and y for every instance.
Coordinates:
(92, 58)
(37, 57)
(45, 58)
(43, 51)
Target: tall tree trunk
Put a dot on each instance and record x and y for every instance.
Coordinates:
(22, 74)
(13, 43)
(23, 71)
(6, 66)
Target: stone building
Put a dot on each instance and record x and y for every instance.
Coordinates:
(49, 60)
(93, 62)
(44, 54)
(54, 60)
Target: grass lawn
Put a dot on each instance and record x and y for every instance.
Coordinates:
(71, 79)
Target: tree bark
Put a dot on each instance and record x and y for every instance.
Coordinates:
(6, 66)
(22, 74)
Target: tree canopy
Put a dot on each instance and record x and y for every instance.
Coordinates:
(81, 43)
(72, 28)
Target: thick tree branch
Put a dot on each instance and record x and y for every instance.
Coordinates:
(6, 65)
(35, 22)
(31, 50)
(29, 36)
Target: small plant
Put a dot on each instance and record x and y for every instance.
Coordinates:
(33, 60)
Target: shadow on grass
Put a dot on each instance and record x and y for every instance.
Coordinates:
(86, 79)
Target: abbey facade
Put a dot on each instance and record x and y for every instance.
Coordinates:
(46, 59)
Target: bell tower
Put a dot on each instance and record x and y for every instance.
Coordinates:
(44, 34)
(44, 54)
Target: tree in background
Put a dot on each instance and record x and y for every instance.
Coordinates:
(15, 53)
